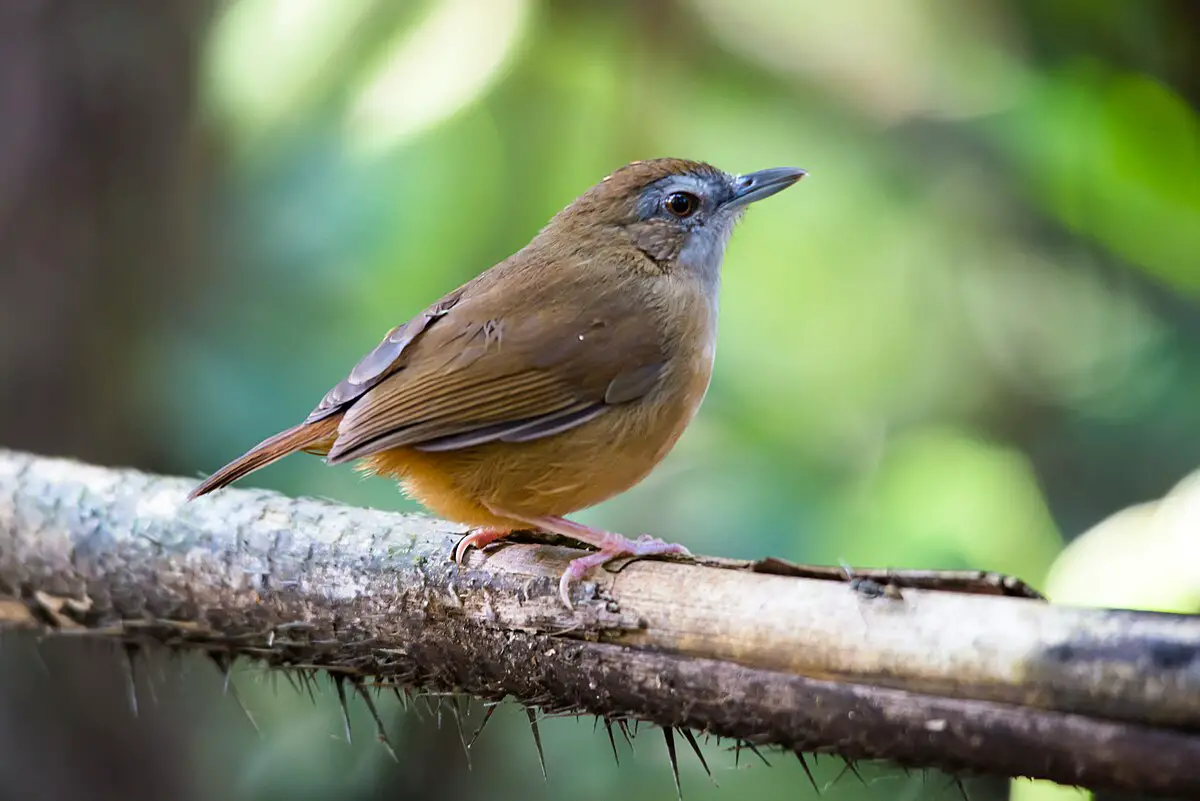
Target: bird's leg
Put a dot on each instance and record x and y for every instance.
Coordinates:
(610, 545)
(479, 538)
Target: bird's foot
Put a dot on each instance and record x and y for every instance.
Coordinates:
(608, 544)
(614, 545)
(479, 538)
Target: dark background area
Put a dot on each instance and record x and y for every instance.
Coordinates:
(970, 338)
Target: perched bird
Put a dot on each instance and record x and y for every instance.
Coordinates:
(554, 380)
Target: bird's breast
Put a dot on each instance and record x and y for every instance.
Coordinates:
(695, 340)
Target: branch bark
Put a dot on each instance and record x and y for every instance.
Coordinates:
(950, 680)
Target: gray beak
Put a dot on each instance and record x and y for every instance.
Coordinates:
(764, 183)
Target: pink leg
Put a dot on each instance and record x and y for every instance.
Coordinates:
(479, 538)
(610, 545)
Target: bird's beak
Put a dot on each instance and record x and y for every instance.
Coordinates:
(764, 183)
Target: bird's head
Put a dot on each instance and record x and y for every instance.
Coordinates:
(679, 213)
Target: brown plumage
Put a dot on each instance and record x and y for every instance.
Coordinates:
(554, 380)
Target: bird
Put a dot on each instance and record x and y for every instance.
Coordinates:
(554, 380)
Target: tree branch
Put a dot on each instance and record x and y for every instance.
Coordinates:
(951, 680)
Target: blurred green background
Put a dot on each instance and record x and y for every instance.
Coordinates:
(968, 339)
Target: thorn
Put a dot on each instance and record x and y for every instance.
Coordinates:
(339, 683)
(401, 697)
(852, 769)
(150, 682)
(491, 710)
(287, 674)
(807, 772)
(131, 676)
(611, 740)
(35, 654)
(178, 666)
(754, 750)
(413, 698)
(625, 731)
(380, 731)
(310, 684)
(537, 740)
(225, 665)
(429, 708)
(669, 735)
(749, 746)
(691, 738)
(461, 738)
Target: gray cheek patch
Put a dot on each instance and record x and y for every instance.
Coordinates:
(704, 249)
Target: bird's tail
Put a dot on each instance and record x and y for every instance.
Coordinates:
(314, 437)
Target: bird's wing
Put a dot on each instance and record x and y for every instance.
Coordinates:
(473, 370)
(383, 359)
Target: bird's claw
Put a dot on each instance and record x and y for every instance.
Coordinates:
(479, 538)
(614, 546)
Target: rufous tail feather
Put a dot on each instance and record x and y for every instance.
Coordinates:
(312, 437)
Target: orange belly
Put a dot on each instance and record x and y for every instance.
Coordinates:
(553, 476)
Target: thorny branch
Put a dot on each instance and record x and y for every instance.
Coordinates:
(805, 662)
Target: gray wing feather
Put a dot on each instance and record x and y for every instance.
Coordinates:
(377, 365)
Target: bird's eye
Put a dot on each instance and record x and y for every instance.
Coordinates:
(681, 204)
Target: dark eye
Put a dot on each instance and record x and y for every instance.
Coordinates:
(681, 204)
